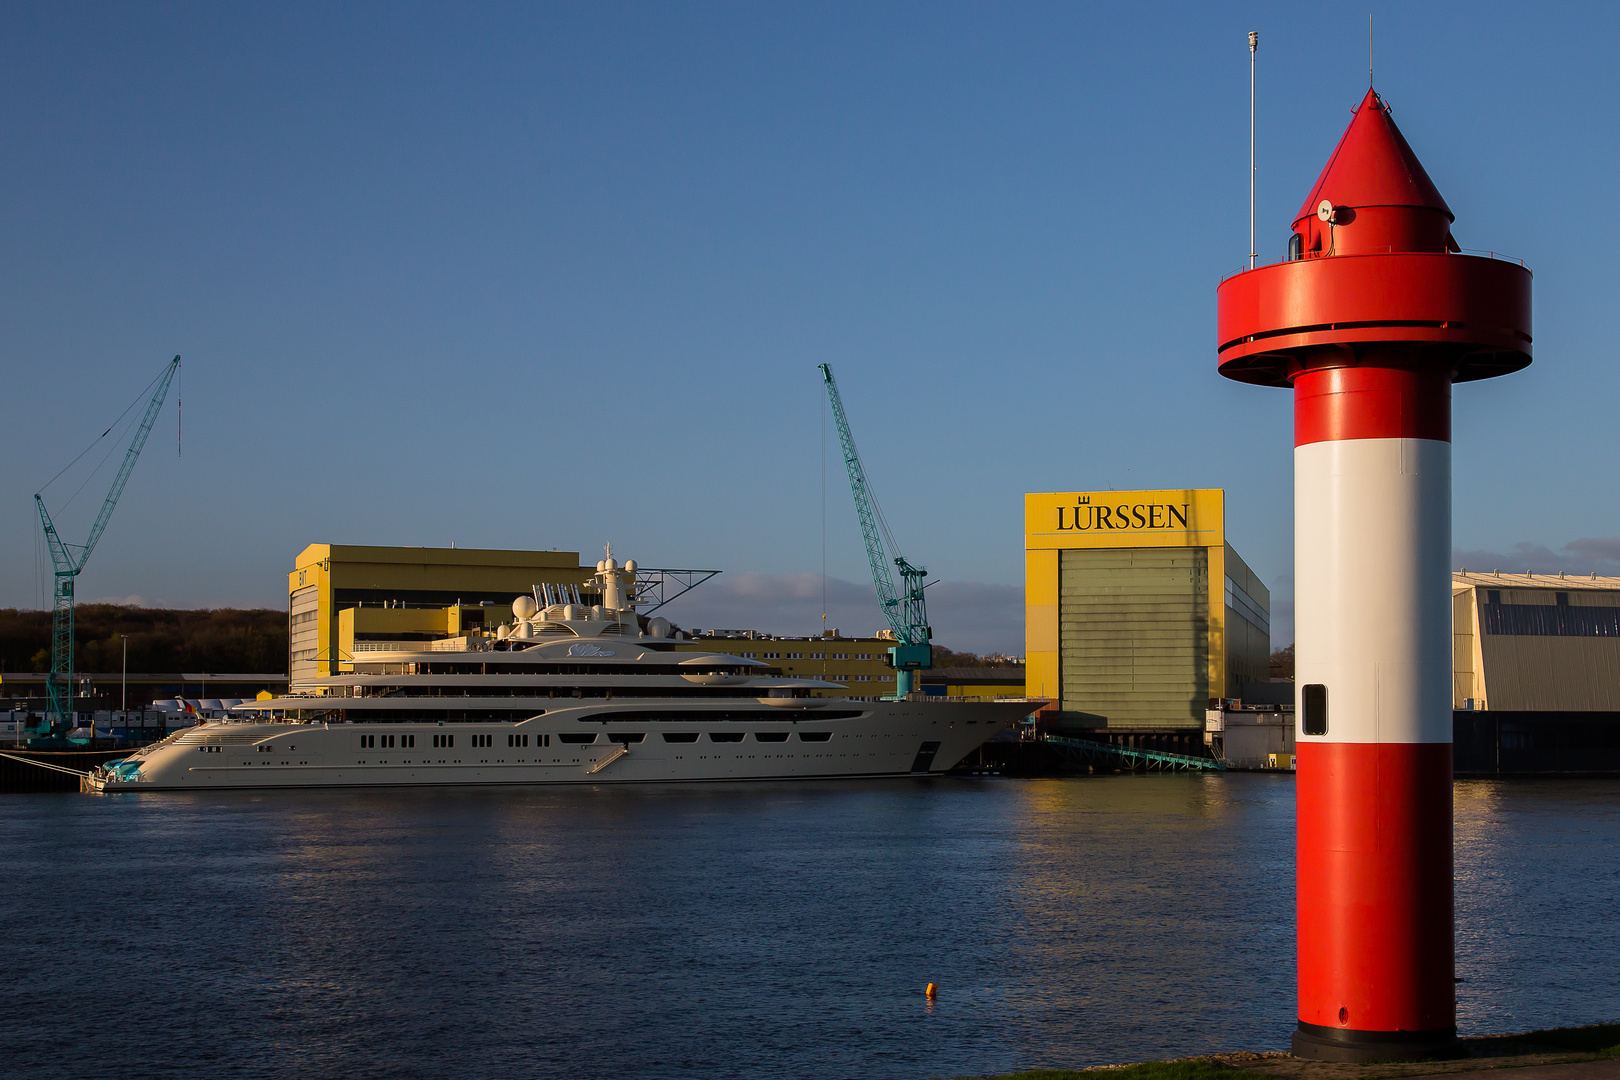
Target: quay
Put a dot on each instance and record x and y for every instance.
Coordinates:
(1577, 1053)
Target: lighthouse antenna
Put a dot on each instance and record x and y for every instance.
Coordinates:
(1254, 47)
(1369, 49)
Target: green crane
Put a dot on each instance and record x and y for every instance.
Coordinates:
(905, 608)
(69, 559)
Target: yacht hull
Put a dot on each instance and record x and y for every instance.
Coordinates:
(897, 738)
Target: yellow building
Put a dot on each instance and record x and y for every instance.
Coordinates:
(858, 663)
(339, 594)
(344, 600)
(1137, 609)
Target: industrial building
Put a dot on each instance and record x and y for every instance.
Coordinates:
(340, 594)
(1535, 642)
(1535, 673)
(344, 600)
(1138, 612)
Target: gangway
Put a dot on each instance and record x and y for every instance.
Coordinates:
(1091, 752)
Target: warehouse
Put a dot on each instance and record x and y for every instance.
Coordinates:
(1536, 642)
(345, 599)
(1535, 673)
(339, 594)
(1138, 612)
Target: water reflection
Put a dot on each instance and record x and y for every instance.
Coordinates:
(750, 930)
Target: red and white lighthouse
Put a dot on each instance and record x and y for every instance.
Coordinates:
(1373, 316)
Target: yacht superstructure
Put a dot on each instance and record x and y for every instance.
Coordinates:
(565, 693)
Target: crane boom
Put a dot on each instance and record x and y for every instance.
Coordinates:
(69, 559)
(905, 609)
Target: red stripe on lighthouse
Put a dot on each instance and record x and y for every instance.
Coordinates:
(1372, 403)
(1374, 899)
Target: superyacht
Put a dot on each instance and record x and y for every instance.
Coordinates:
(567, 693)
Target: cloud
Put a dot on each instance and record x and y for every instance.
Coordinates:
(966, 615)
(1597, 554)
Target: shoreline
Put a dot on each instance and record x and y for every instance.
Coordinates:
(1589, 1052)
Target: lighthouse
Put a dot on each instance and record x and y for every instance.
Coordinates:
(1372, 317)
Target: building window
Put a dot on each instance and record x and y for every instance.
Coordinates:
(1493, 596)
(1550, 620)
(1562, 599)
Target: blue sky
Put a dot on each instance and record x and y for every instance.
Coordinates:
(553, 275)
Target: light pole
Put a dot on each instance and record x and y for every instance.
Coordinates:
(1254, 47)
(123, 690)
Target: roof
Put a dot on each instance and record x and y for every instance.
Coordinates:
(425, 556)
(1373, 166)
(1493, 580)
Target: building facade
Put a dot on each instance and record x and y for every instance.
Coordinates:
(1137, 610)
(338, 594)
(1535, 642)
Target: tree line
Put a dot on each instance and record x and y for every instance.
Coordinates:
(160, 639)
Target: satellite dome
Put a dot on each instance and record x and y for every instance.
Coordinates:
(524, 607)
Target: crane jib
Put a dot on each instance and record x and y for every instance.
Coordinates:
(67, 564)
(905, 608)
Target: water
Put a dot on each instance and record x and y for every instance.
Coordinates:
(733, 931)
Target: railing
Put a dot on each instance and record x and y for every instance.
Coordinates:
(1148, 759)
(455, 644)
(1482, 253)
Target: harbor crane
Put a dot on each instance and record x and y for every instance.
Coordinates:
(68, 561)
(906, 608)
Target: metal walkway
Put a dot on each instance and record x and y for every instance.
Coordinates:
(1087, 751)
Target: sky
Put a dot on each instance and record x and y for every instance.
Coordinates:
(557, 275)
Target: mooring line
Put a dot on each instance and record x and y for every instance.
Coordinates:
(45, 764)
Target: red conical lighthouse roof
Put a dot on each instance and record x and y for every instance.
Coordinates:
(1373, 166)
(1374, 277)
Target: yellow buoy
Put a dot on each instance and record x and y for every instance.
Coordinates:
(932, 991)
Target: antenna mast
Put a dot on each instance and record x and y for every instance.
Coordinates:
(1254, 46)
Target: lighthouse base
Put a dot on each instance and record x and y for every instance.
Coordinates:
(1340, 1044)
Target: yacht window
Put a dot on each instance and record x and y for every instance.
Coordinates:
(578, 736)
(770, 736)
(408, 740)
(814, 736)
(680, 736)
(626, 736)
(726, 736)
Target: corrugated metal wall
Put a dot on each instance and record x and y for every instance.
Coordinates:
(1134, 635)
(304, 641)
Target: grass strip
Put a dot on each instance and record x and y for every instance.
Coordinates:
(1147, 1070)
(1600, 1039)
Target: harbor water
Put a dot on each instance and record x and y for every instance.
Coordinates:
(782, 930)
